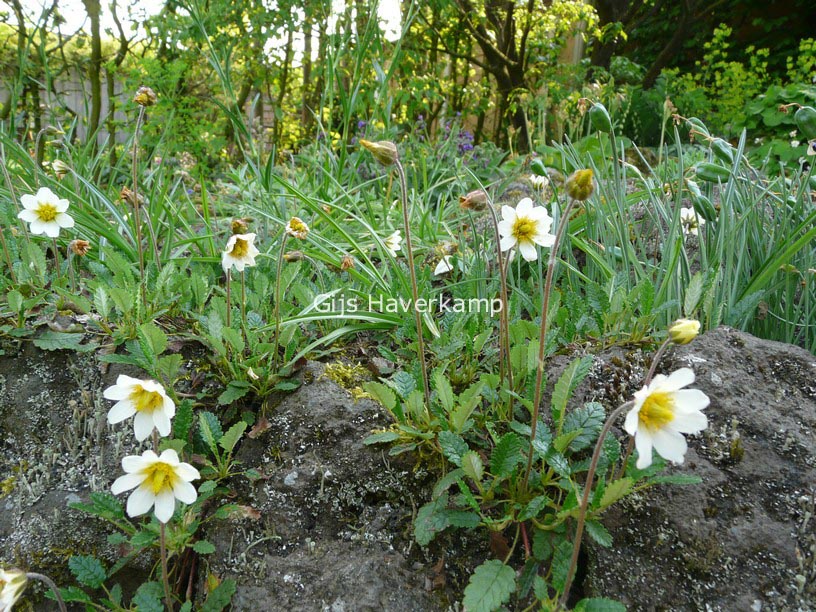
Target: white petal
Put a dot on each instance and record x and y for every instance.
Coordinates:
(170, 457)
(678, 379)
(690, 400)
(37, 226)
(169, 407)
(670, 445)
(126, 483)
(140, 501)
(508, 242)
(508, 214)
(187, 472)
(643, 444)
(505, 228)
(165, 505)
(61, 205)
(27, 215)
(46, 195)
(528, 251)
(137, 463)
(185, 492)
(691, 423)
(51, 229)
(116, 392)
(630, 425)
(524, 207)
(162, 423)
(142, 425)
(28, 201)
(121, 411)
(545, 240)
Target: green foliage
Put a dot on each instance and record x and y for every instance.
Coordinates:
(490, 586)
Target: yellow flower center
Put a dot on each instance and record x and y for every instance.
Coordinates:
(657, 410)
(524, 229)
(240, 248)
(146, 401)
(47, 212)
(160, 477)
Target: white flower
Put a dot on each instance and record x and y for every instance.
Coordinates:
(393, 242)
(795, 143)
(144, 398)
(159, 482)
(444, 266)
(12, 585)
(525, 226)
(297, 228)
(792, 134)
(240, 252)
(538, 181)
(811, 147)
(45, 213)
(662, 413)
(690, 221)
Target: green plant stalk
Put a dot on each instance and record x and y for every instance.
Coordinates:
(168, 598)
(542, 335)
(579, 530)
(50, 584)
(243, 301)
(504, 322)
(135, 203)
(229, 306)
(276, 315)
(71, 273)
(56, 259)
(4, 168)
(414, 289)
(8, 257)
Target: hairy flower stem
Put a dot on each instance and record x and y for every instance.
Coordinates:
(414, 291)
(71, 273)
(168, 598)
(57, 260)
(276, 316)
(153, 241)
(51, 585)
(504, 322)
(243, 300)
(579, 530)
(229, 298)
(563, 224)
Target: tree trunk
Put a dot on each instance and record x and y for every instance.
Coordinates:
(22, 38)
(284, 84)
(93, 8)
(305, 111)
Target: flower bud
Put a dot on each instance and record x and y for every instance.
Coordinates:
(239, 226)
(683, 331)
(60, 169)
(293, 256)
(145, 97)
(580, 184)
(383, 151)
(131, 198)
(79, 247)
(12, 584)
(347, 263)
(475, 200)
(297, 228)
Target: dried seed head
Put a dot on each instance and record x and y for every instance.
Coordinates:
(79, 247)
(131, 198)
(145, 97)
(347, 263)
(475, 200)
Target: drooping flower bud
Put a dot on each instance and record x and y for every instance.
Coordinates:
(683, 331)
(145, 97)
(239, 226)
(383, 151)
(293, 256)
(475, 200)
(131, 198)
(580, 184)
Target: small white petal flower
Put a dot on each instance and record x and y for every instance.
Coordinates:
(525, 226)
(662, 413)
(444, 266)
(690, 221)
(45, 213)
(240, 252)
(538, 181)
(795, 143)
(12, 585)
(393, 243)
(297, 228)
(159, 481)
(146, 399)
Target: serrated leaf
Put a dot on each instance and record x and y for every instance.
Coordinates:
(102, 504)
(59, 341)
(562, 442)
(183, 420)
(381, 437)
(444, 391)
(472, 466)
(187, 606)
(14, 299)
(588, 422)
(567, 382)
(463, 519)
(542, 544)
(152, 340)
(236, 389)
(148, 597)
(534, 508)
(453, 447)
(560, 564)
(430, 520)
(599, 604)
(87, 570)
(598, 532)
(234, 338)
(445, 483)
(141, 539)
(210, 428)
(506, 455)
(694, 290)
(203, 547)
(403, 383)
(615, 491)
(382, 393)
(71, 595)
(220, 597)
(231, 437)
(489, 587)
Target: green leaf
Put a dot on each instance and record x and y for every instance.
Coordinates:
(382, 393)
(231, 437)
(676, 479)
(210, 429)
(534, 508)
(234, 338)
(148, 597)
(141, 539)
(506, 455)
(444, 390)
(562, 442)
(187, 606)
(15, 301)
(694, 290)
(102, 504)
(183, 420)
(598, 532)
(59, 341)
(489, 587)
(599, 604)
(615, 491)
(71, 594)
(588, 422)
(203, 547)
(403, 383)
(542, 544)
(445, 483)
(152, 340)
(220, 597)
(88, 570)
(571, 378)
(236, 389)
(169, 365)
(431, 520)
(102, 302)
(560, 564)
(453, 446)
(472, 466)
(381, 437)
